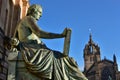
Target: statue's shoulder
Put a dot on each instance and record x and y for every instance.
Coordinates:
(26, 20)
(29, 19)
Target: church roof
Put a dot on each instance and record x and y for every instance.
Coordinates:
(102, 61)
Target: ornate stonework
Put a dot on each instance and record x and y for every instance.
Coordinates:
(97, 69)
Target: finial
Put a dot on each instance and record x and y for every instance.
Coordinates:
(114, 58)
(90, 30)
(90, 37)
(104, 57)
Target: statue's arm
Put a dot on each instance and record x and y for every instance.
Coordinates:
(48, 35)
(42, 34)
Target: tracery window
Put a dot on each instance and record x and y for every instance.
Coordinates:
(106, 74)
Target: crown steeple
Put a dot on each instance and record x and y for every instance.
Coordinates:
(91, 47)
(91, 53)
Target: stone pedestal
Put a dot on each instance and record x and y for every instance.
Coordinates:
(17, 69)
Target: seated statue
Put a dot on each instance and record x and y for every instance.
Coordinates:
(41, 61)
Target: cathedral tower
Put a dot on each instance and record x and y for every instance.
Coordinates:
(91, 53)
(97, 69)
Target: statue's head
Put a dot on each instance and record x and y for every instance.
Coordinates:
(35, 11)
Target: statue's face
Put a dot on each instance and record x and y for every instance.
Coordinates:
(38, 13)
(35, 11)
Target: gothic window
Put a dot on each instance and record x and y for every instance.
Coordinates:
(95, 58)
(91, 49)
(94, 50)
(106, 74)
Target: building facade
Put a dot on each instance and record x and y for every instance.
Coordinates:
(97, 69)
(11, 11)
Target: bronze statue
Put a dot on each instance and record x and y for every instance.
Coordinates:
(41, 61)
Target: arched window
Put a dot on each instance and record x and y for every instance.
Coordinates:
(91, 49)
(106, 74)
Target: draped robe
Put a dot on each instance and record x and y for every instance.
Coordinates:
(46, 63)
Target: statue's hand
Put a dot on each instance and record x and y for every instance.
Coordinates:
(14, 41)
(65, 31)
(10, 43)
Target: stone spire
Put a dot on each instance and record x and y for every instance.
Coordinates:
(114, 59)
(90, 39)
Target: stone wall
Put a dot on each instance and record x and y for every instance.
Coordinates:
(3, 58)
(11, 11)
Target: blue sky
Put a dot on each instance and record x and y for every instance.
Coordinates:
(101, 16)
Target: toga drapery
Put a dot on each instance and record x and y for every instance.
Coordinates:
(46, 63)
